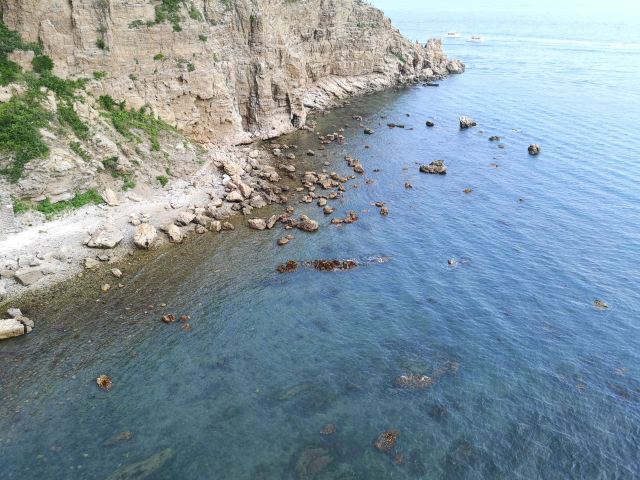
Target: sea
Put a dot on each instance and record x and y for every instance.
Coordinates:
(482, 301)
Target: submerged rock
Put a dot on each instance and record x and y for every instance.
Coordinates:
(169, 318)
(437, 167)
(386, 441)
(600, 304)
(104, 382)
(413, 382)
(333, 265)
(534, 149)
(143, 469)
(368, 131)
(494, 138)
(467, 122)
(290, 266)
(312, 462)
(119, 438)
(329, 429)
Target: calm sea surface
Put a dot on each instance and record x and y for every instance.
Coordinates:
(532, 381)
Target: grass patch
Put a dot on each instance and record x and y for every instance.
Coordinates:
(158, 57)
(42, 64)
(203, 38)
(80, 200)
(99, 75)
(20, 206)
(163, 179)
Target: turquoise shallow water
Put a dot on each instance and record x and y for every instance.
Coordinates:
(546, 386)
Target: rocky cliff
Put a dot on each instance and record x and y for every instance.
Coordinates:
(225, 71)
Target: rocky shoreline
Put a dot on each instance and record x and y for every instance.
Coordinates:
(175, 151)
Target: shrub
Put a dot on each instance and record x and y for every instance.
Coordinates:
(163, 179)
(158, 57)
(99, 75)
(42, 64)
(20, 122)
(101, 44)
(78, 201)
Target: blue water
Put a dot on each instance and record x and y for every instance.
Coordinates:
(546, 385)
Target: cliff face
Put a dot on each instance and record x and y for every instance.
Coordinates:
(226, 71)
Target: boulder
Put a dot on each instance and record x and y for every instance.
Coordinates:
(145, 235)
(116, 272)
(14, 312)
(437, 167)
(12, 328)
(430, 124)
(455, 67)
(467, 122)
(258, 223)
(29, 276)
(308, 225)
(369, 131)
(185, 218)
(174, 233)
(107, 236)
(534, 149)
(244, 189)
(234, 196)
(273, 219)
(110, 198)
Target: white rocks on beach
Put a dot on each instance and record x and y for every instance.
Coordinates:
(110, 198)
(145, 235)
(258, 223)
(107, 236)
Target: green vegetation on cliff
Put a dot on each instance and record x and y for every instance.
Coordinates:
(22, 117)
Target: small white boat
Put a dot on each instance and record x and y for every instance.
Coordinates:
(453, 35)
(475, 39)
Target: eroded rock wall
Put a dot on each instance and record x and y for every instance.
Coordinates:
(237, 69)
